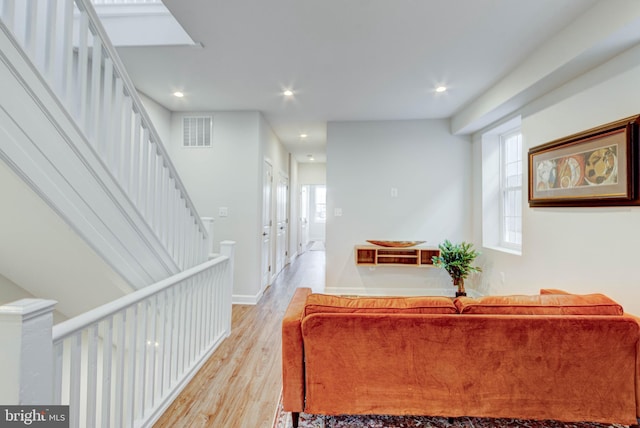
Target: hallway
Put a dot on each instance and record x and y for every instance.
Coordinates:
(239, 385)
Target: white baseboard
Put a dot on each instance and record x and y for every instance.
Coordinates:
(241, 299)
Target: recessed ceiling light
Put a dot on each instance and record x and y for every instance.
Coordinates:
(303, 135)
(178, 94)
(310, 158)
(288, 93)
(441, 89)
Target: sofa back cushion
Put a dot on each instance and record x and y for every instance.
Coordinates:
(544, 304)
(552, 291)
(324, 303)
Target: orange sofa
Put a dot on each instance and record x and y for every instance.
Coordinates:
(551, 356)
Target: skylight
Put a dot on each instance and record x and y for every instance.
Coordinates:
(140, 23)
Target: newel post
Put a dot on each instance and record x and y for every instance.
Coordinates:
(208, 225)
(228, 248)
(26, 354)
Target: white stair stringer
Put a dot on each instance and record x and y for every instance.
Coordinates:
(41, 143)
(40, 255)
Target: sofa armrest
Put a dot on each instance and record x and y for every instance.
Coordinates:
(637, 368)
(293, 353)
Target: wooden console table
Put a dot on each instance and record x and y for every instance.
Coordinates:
(373, 255)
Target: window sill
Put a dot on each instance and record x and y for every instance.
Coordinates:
(504, 249)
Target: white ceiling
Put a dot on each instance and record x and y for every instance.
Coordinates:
(344, 59)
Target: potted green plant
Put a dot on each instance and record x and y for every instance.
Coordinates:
(456, 260)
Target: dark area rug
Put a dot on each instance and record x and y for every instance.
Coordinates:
(283, 420)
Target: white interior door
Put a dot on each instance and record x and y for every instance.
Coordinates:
(267, 183)
(282, 222)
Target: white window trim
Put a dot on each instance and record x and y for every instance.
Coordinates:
(491, 188)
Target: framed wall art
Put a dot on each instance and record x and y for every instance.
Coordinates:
(598, 167)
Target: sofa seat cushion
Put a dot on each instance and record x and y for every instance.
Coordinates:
(325, 303)
(544, 304)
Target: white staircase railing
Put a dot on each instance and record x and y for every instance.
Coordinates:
(67, 44)
(122, 364)
(101, 2)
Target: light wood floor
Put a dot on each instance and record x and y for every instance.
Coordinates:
(240, 384)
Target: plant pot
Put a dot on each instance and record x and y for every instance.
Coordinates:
(459, 282)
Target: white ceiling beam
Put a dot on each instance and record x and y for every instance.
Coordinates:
(604, 31)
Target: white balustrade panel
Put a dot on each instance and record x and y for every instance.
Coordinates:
(120, 365)
(67, 44)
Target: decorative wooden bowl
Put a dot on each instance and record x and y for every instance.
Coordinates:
(396, 244)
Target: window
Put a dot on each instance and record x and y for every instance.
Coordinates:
(511, 189)
(502, 164)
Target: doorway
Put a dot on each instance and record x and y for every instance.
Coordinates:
(313, 214)
(282, 222)
(267, 184)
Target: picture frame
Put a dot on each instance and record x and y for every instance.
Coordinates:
(597, 167)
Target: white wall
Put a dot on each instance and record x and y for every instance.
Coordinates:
(431, 170)
(10, 292)
(42, 256)
(582, 250)
(160, 116)
(278, 157)
(272, 149)
(229, 174)
(312, 173)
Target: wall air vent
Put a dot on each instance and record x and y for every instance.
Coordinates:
(197, 131)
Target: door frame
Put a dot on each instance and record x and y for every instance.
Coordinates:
(266, 271)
